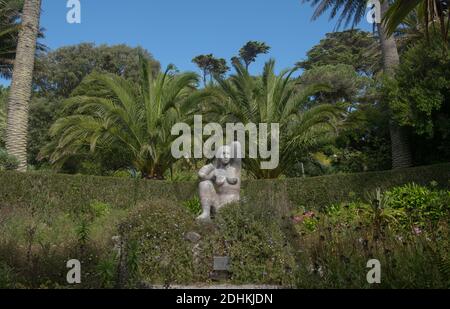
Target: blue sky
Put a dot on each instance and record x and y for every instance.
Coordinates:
(175, 31)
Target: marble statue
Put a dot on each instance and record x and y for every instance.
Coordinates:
(220, 181)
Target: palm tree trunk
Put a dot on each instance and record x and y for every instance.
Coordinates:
(401, 152)
(20, 93)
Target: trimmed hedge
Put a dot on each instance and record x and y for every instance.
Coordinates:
(319, 192)
(68, 192)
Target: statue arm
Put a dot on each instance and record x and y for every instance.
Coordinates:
(207, 172)
(232, 181)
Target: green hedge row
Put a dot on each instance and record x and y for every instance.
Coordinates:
(318, 192)
(67, 192)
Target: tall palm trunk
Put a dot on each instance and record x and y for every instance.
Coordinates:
(401, 152)
(20, 93)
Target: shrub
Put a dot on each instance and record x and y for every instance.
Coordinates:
(423, 205)
(7, 162)
(163, 255)
(254, 240)
(346, 237)
(193, 205)
(99, 209)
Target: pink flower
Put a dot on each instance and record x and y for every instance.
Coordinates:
(301, 218)
(309, 214)
(298, 219)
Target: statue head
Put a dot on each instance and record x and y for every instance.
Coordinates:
(229, 155)
(224, 155)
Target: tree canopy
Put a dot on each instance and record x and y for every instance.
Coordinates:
(271, 98)
(352, 47)
(59, 72)
(137, 117)
(250, 51)
(210, 65)
(9, 27)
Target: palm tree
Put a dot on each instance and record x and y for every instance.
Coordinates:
(269, 98)
(110, 110)
(2, 123)
(427, 11)
(20, 92)
(9, 28)
(352, 11)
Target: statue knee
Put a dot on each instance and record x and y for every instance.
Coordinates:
(206, 186)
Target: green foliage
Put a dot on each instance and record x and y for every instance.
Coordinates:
(193, 205)
(83, 231)
(346, 63)
(136, 117)
(106, 271)
(75, 192)
(347, 12)
(318, 192)
(430, 14)
(354, 48)
(272, 98)
(163, 255)
(7, 276)
(364, 143)
(424, 206)
(9, 14)
(256, 244)
(423, 90)
(211, 66)
(85, 217)
(316, 249)
(100, 209)
(37, 241)
(61, 71)
(57, 75)
(334, 254)
(43, 112)
(7, 162)
(72, 192)
(250, 51)
(342, 81)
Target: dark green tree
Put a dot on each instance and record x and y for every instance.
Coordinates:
(251, 50)
(211, 66)
(420, 98)
(352, 47)
(10, 14)
(342, 83)
(219, 67)
(352, 12)
(59, 72)
(428, 12)
(272, 98)
(137, 117)
(9, 29)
